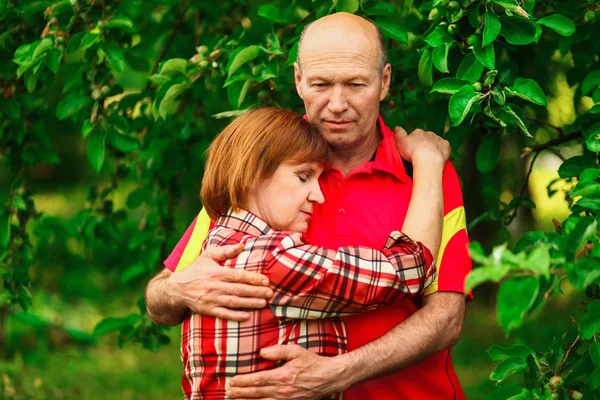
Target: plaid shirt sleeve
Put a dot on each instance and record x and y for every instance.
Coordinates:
(310, 282)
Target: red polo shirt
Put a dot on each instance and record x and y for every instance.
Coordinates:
(362, 209)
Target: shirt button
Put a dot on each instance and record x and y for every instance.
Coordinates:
(342, 211)
(337, 185)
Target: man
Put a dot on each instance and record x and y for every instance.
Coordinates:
(342, 75)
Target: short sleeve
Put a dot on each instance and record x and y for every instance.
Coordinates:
(189, 246)
(453, 262)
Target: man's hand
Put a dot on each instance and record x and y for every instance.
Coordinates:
(207, 288)
(306, 376)
(420, 145)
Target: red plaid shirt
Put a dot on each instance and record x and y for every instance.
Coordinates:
(312, 288)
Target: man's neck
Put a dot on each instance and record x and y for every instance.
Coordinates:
(346, 160)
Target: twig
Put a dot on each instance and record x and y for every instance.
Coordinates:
(557, 153)
(525, 184)
(567, 355)
(546, 123)
(555, 142)
(176, 25)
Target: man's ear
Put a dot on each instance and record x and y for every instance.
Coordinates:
(298, 79)
(386, 77)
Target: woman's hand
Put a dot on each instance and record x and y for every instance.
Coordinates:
(422, 146)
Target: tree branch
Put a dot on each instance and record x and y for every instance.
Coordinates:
(555, 142)
(169, 42)
(525, 184)
(546, 123)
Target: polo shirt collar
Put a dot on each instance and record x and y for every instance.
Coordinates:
(386, 157)
(244, 221)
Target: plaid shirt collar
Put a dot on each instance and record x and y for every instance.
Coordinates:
(244, 221)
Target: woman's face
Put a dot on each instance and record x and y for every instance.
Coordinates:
(286, 200)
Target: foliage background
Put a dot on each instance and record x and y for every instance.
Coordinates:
(108, 105)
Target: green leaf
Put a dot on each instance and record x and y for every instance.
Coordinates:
(510, 392)
(32, 320)
(589, 174)
(595, 353)
(96, 148)
(517, 31)
(132, 272)
(574, 166)
(487, 111)
(586, 188)
(293, 54)
(174, 64)
(486, 273)
(559, 24)
(595, 109)
(71, 104)
(138, 197)
(89, 40)
(438, 37)
(593, 138)
(589, 323)
(115, 324)
(86, 128)
(591, 82)
(170, 102)
(44, 46)
(425, 67)
(498, 95)
(539, 261)
(515, 298)
(488, 153)
(118, 21)
(440, 57)
(124, 143)
(491, 29)
(229, 114)
(590, 203)
(448, 85)
(392, 30)
(53, 59)
(585, 228)
(529, 90)
(518, 117)
(242, 57)
(349, 6)
(498, 353)
(511, 5)
(507, 368)
(584, 273)
(271, 12)
(115, 56)
(470, 69)
(486, 56)
(461, 103)
(4, 230)
(383, 9)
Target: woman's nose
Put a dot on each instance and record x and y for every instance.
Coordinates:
(316, 195)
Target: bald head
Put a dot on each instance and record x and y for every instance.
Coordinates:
(342, 30)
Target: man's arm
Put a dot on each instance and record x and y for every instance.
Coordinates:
(206, 288)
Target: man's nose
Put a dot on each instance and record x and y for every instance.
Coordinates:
(337, 102)
(316, 195)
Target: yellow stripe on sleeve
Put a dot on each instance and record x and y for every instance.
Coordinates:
(194, 245)
(454, 221)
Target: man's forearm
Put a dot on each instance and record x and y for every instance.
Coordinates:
(158, 303)
(430, 330)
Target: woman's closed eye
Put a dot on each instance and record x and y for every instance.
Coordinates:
(303, 177)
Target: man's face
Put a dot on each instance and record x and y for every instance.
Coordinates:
(341, 86)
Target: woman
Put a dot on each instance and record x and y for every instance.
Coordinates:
(260, 186)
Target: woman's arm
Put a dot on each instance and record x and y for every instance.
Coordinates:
(428, 154)
(310, 282)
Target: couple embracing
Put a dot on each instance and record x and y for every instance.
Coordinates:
(333, 249)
